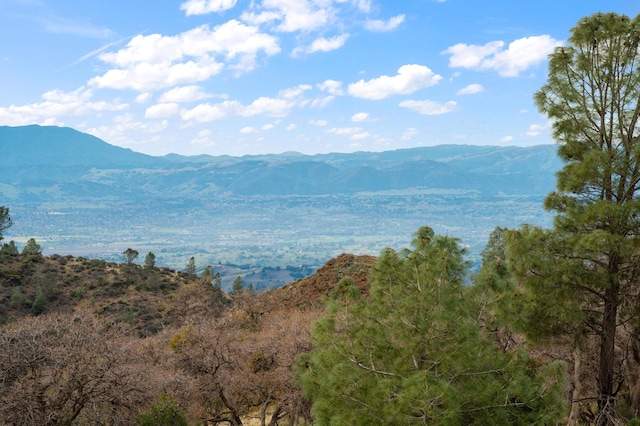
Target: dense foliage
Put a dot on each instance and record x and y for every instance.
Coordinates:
(581, 277)
(413, 351)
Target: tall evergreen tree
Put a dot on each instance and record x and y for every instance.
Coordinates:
(5, 220)
(190, 269)
(32, 248)
(584, 272)
(412, 352)
(150, 260)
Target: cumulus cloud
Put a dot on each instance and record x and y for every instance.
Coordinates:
(428, 107)
(202, 7)
(318, 122)
(363, 5)
(471, 89)
(382, 26)
(291, 15)
(55, 105)
(535, 129)
(360, 117)
(273, 107)
(155, 61)
(190, 93)
(145, 76)
(323, 45)
(331, 86)
(410, 78)
(294, 92)
(506, 139)
(163, 110)
(520, 55)
(210, 112)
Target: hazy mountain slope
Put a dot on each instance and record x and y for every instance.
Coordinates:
(54, 163)
(62, 147)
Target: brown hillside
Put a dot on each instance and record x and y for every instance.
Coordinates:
(308, 292)
(147, 299)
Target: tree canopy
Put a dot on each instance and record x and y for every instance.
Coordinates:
(582, 275)
(5, 220)
(412, 352)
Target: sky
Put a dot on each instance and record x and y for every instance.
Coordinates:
(237, 77)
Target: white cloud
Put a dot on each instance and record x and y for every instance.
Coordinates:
(409, 79)
(318, 122)
(323, 45)
(409, 133)
(471, 89)
(292, 15)
(520, 55)
(331, 86)
(345, 130)
(143, 98)
(268, 126)
(163, 110)
(535, 129)
(355, 133)
(363, 5)
(248, 130)
(360, 117)
(120, 129)
(145, 76)
(506, 139)
(294, 92)
(272, 107)
(428, 107)
(382, 26)
(154, 62)
(202, 7)
(290, 127)
(203, 138)
(361, 135)
(57, 104)
(190, 93)
(207, 112)
(322, 102)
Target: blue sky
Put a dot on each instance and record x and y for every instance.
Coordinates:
(267, 76)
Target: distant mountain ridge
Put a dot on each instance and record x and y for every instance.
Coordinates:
(55, 163)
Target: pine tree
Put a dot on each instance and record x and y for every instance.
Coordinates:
(190, 269)
(150, 260)
(583, 272)
(5, 220)
(412, 351)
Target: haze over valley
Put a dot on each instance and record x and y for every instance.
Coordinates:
(79, 195)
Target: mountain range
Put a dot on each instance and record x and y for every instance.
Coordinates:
(44, 163)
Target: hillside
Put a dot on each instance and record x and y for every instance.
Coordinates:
(55, 163)
(146, 299)
(242, 345)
